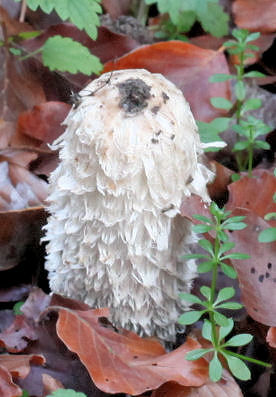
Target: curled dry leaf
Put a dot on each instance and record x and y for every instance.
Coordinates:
(126, 363)
(271, 337)
(185, 65)
(19, 365)
(226, 387)
(15, 338)
(7, 387)
(50, 384)
(255, 15)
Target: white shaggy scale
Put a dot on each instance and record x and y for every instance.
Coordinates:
(129, 156)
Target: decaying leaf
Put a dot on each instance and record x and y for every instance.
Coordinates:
(7, 387)
(255, 15)
(271, 337)
(16, 337)
(126, 363)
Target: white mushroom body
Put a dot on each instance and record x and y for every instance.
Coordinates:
(129, 156)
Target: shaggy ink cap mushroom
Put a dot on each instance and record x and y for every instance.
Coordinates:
(129, 156)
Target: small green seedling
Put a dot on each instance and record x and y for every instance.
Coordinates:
(217, 326)
(66, 393)
(269, 235)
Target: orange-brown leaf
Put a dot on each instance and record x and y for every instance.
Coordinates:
(186, 65)
(271, 337)
(255, 15)
(126, 363)
(7, 387)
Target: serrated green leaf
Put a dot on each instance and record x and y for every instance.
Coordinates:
(205, 291)
(237, 367)
(83, 14)
(221, 103)
(224, 331)
(228, 270)
(205, 267)
(240, 90)
(239, 340)
(268, 235)
(220, 319)
(66, 393)
(67, 55)
(196, 354)
(190, 317)
(189, 298)
(224, 294)
(220, 77)
(215, 369)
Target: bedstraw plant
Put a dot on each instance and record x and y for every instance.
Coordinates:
(216, 326)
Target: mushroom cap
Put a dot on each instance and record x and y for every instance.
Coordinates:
(129, 156)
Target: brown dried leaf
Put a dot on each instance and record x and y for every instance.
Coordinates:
(186, 65)
(226, 387)
(50, 384)
(255, 15)
(7, 387)
(19, 365)
(15, 338)
(116, 7)
(271, 337)
(126, 363)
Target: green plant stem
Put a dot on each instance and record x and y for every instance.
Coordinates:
(142, 13)
(250, 152)
(252, 360)
(31, 54)
(213, 290)
(239, 108)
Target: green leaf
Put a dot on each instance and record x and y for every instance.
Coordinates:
(235, 226)
(66, 393)
(17, 308)
(228, 270)
(25, 393)
(242, 145)
(205, 267)
(215, 369)
(226, 247)
(221, 103)
(206, 245)
(235, 177)
(237, 367)
(230, 305)
(202, 228)
(252, 37)
(202, 218)
(67, 55)
(240, 90)
(239, 340)
(189, 298)
(220, 319)
(190, 317)
(268, 235)
(233, 219)
(222, 236)
(261, 145)
(207, 330)
(220, 124)
(29, 35)
(206, 291)
(213, 19)
(208, 134)
(224, 331)
(270, 216)
(224, 294)
(15, 51)
(83, 14)
(196, 354)
(220, 77)
(251, 104)
(236, 255)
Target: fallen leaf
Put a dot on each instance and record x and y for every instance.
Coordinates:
(255, 15)
(226, 387)
(126, 363)
(186, 65)
(271, 337)
(43, 122)
(15, 338)
(50, 384)
(19, 364)
(218, 187)
(7, 387)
